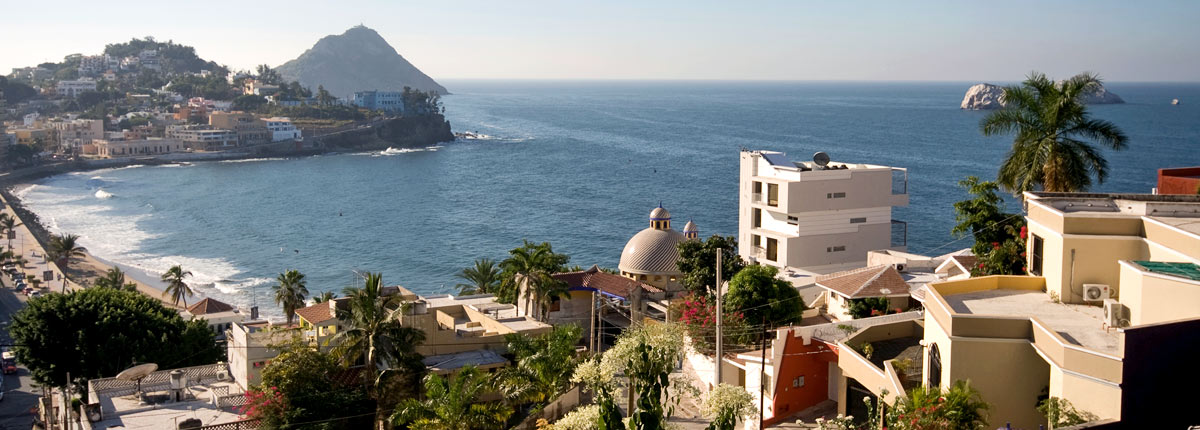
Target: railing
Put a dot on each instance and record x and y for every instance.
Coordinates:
(757, 198)
(899, 180)
(899, 233)
(236, 425)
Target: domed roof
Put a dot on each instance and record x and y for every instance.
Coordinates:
(652, 251)
(690, 227)
(660, 214)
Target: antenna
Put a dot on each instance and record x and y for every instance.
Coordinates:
(821, 159)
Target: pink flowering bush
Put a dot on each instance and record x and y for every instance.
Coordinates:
(266, 404)
(699, 318)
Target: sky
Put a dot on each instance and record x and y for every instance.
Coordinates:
(699, 39)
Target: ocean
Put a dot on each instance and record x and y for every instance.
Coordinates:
(577, 164)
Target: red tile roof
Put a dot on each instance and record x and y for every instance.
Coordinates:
(875, 281)
(316, 314)
(208, 306)
(596, 279)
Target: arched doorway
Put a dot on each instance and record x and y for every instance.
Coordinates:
(935, 366)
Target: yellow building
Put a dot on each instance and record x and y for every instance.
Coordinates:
(1112, 325)
(650, 256)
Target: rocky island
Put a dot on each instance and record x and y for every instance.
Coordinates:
(987, 96)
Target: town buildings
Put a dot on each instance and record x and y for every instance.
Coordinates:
(282, 129)
(203, 137)
(387, 101)
(219, 316)
(249, 128)
(129, 148)
(819, 216)
(251, 86)
(75, 133)
(74, 88)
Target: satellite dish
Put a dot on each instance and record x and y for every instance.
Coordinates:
(136, 373)
(821, 159)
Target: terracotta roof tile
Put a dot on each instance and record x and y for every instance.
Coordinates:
(316, 314)
(208, 306)
(874, 281)
(596, 279)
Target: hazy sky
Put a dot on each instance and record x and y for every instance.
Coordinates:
(779, 40)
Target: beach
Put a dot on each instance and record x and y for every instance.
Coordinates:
(85, 269)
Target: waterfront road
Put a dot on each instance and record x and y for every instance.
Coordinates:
(20, 395)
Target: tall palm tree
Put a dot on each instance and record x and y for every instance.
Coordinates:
(453, 404)
(483, 277)
(63, 249)
(543, 365)
(175, 286)
(8, 223)
(325, 297)
(1053, 147)
(532, 267)
(290, 292)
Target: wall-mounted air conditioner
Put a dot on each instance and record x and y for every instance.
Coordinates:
(1115, 313)
(1095, 292)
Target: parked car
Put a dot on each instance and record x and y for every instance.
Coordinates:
(27, 290)
(8, 361)
(35, 293)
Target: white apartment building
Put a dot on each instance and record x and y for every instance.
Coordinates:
(78, 132)
(74, 88)
(203, 137)
(819, 215)
(281, 129)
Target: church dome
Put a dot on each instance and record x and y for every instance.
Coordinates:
(690, 230)
(652, 251)
(659, 214)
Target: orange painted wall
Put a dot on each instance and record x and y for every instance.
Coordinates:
(811, 361)
(1183, 180)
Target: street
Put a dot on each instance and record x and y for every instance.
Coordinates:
(20, 396)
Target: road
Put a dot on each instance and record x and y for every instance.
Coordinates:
(20, 396)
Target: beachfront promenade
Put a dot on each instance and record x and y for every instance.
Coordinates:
(23, 243)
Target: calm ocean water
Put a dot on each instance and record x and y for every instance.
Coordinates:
(578, 164)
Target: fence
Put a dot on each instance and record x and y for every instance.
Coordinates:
(157, 381)
(561, 406)
(236, 425)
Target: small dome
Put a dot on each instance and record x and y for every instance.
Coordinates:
(652, 251)
(659, 214)
(690, 227)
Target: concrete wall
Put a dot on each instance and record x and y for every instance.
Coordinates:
(811, 251)
(799, 360)
(1183, 180)
(1153, 298)
(1086, 394)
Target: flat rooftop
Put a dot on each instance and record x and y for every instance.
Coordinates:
(1188, 224)
(1078, 324)
(1155, 205)
(128, 412)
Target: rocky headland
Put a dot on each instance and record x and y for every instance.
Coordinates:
(987, 96)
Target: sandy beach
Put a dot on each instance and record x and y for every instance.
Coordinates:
(84, 269)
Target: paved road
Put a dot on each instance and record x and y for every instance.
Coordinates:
(20, 396)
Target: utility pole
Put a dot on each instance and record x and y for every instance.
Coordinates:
(720, 342)
(593, 343)
(762, 377)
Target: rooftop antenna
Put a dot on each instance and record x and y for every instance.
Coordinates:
(821, 159)
(137, 373)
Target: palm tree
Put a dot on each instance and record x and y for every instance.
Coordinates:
(483, 277)
(115, 278)
(290, 292)
(1054, 130)
(63, 249)
(325, 297)
(8, 223)
(543, 365)
(175, 285)
(376, 337)
(532, 267)
(453, 404)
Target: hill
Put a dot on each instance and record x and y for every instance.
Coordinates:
(357, 60)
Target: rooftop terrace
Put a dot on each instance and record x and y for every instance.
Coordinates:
(1078, 324)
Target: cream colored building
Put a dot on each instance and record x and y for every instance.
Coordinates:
(247, 349)
(78, 132)
(651, 255)
(813, 217)
(135, 148)
(1112, 325)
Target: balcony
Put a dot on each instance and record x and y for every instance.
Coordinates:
(899, 180)
(899, 234)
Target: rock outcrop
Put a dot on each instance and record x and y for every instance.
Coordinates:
(357, 60)
(983, 96)
(988, 96)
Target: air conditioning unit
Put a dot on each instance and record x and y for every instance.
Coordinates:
(222, 375)
(1115, 313)
(900, 267)
(1095, 292)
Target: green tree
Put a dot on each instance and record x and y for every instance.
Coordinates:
(1061, 413)
(1052, 147)
(999, 236)
(483, 277)
(959, 407)
(542, 365)
(64, 248)
(98, 332)
(531, 266)
(453, 404)
(248, 103)
(267, 75)
(726, 404)
(326, 296)
(114, 278)
(176, 287)
(21, 154)
(8, 225)
(290, 292)
(311, 386)
(323, 96)
(698, 262)
(865, 307)
(762, 298)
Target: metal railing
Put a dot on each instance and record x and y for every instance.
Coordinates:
(899, 233)
(899, 180)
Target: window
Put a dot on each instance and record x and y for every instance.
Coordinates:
(757, 218)
(772, 249)
(756, 240)
(858, 220)
(555, 305)
(657, 278)
(835, 248)
(793, 220)
(757, 191)
(935, 366)
(835, 195)
(773, 194)
(798, 381)
(1035, 258)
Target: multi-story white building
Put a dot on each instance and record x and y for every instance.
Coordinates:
(818, 216)
(78, 132)
(281, 129)
(203, 137)
(74, 88)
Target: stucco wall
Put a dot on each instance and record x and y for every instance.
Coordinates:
(1153, 299)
